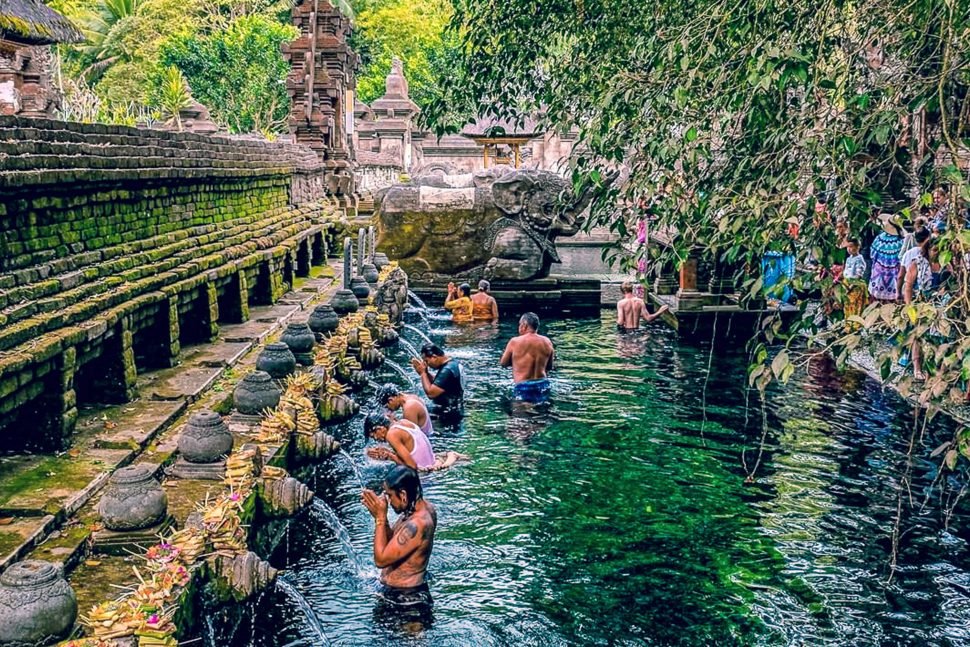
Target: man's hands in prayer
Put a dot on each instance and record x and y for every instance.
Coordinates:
(375, 503)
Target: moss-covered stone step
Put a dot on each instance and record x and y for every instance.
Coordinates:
(119, 267)
(174, 278)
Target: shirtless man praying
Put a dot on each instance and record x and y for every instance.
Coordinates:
(631, 309)
(530, 355)
(402, 551)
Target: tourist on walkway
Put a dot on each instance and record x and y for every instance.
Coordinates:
(910, 229)
(460, 303)
(854, 275)
(402, 551)
(630, 310)
(884, 255)
(412, 407)
(408, 445)
(446, 387)
(530, 355)
(917, 285)
(778, 266)
(484, 306)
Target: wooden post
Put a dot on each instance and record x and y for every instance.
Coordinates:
(688, 275)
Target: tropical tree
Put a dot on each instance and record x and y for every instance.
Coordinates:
(238, 72)
(173, 96)
(410, 30)
(733, 118)
(104, 27)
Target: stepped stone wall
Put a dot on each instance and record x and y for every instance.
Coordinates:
(119, 245)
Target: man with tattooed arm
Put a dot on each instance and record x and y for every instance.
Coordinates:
(401, 551)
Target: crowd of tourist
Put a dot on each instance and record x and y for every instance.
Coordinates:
(905, 264)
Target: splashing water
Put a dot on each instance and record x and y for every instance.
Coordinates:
(326, 514)
(372, 384)
(304, 606)
(210, 632)
(350, 461)
(418, 331)
(412, 351)
(394, 366)
(417, 300)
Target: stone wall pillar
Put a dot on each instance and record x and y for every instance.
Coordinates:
(64, 402)
(174, 344)
(212, 309)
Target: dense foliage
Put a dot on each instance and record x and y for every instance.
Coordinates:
(410, 30)
(732, 118)
(229, 52)
(238, 72)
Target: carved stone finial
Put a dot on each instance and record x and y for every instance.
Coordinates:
(396, 85)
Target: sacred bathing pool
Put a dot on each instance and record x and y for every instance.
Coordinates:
(192, 327)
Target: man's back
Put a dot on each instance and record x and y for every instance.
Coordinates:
(628, 312)
(531, 355)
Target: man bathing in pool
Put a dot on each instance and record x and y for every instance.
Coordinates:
(630, 310)
(408, 444)
(530, 355)
(402, 551)
(392, 398)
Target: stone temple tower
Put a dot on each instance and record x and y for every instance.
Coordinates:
(321, 85)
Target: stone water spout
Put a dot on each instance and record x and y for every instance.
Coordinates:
(391, 298)
(317, 445)
(284, 497)
(243, 575)
(37, 605)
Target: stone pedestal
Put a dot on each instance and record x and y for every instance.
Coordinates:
(113, 542)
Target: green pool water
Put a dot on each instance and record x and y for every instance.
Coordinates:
(621, 514)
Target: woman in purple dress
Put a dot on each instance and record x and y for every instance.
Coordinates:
(884, 255)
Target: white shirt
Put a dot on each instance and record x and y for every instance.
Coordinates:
(911, 257)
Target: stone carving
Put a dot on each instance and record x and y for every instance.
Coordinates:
(133, 499)
(284, 497)
(317, 445)
(256, 392)
(277, 360)
(500, 224)
(243, 574)
(205, 438)
(391, 297)
(300, 339)
(37, 606)
(360, 289)
(323, 320)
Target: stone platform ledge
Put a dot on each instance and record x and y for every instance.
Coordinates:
(864, 362)
(47, 501)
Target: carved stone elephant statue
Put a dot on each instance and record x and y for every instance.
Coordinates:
(498, 224)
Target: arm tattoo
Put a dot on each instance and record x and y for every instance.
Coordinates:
(407, 533)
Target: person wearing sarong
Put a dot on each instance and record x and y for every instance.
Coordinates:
(884, 255)
(854, 275)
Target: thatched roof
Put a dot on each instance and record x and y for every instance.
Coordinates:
(31, 22)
